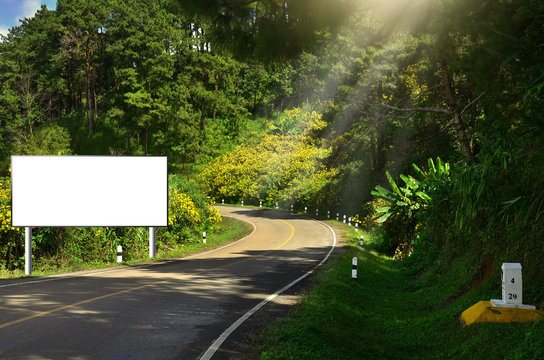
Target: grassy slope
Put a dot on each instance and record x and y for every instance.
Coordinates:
(396, 310)
(227, 231)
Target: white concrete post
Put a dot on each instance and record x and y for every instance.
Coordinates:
(344, 219)
(354, 268)
(277, 206)
(512, 287)
(260, 204)
(305, 209)
(204, 237)
(356, 226)
(349, 221)
(328, 214)
(152, 241)
(28, 250)
(316, 212)
(362, 241)
(337, 216)
(242, 202)
(512, 284)
(223, 201)
(119, 254)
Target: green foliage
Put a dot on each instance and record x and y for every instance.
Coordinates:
(407, 204)
(396, 310)
(48, 140)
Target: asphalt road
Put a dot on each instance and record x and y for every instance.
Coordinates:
(171, 310)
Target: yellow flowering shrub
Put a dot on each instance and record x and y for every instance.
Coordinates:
(5, 206)
(181, 209)
(284, 165)
(187, 217)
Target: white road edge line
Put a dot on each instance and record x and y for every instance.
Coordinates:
(217, 343)
(134, 267)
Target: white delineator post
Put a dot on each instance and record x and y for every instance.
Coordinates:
(362, 241)
(344, 219)
(305, 209)
(260, 204)
(349, 221)
(204, 237)
(119, 254)
(354, 268)
(316, 212)
(222, 201)
(356, 226)
(28, 250)
(276, 206)
(328, 214)
(337, 216)
(242, 202)
(291, 207)
(152, 242)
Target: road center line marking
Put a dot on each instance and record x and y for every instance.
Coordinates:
(219, 341)
(48, 312)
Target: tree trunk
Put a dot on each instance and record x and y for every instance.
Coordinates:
(90, 101)
(145, 138)
(454, 110)
(128, 142)
(203, 117)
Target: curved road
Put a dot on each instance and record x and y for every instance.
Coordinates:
(180, 309)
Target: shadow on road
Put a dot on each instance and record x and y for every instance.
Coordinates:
(142, 312)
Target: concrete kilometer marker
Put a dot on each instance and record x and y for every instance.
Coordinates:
(510, 308)
(354, 268)
(512, 286)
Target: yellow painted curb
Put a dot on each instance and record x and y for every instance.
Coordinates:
(485, 311)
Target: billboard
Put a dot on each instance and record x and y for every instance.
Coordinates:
(73, 191)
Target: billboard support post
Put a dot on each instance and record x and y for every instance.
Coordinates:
(28, 250)
(152, 241)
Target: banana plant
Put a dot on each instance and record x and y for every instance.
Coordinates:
(403, 200)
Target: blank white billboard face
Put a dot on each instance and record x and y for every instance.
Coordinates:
(89, 191)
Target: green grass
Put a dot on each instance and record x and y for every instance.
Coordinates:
(228, 230)
(395, 310)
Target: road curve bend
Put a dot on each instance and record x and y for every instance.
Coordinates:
(179, 309)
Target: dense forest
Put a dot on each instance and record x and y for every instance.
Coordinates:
(326, 104)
